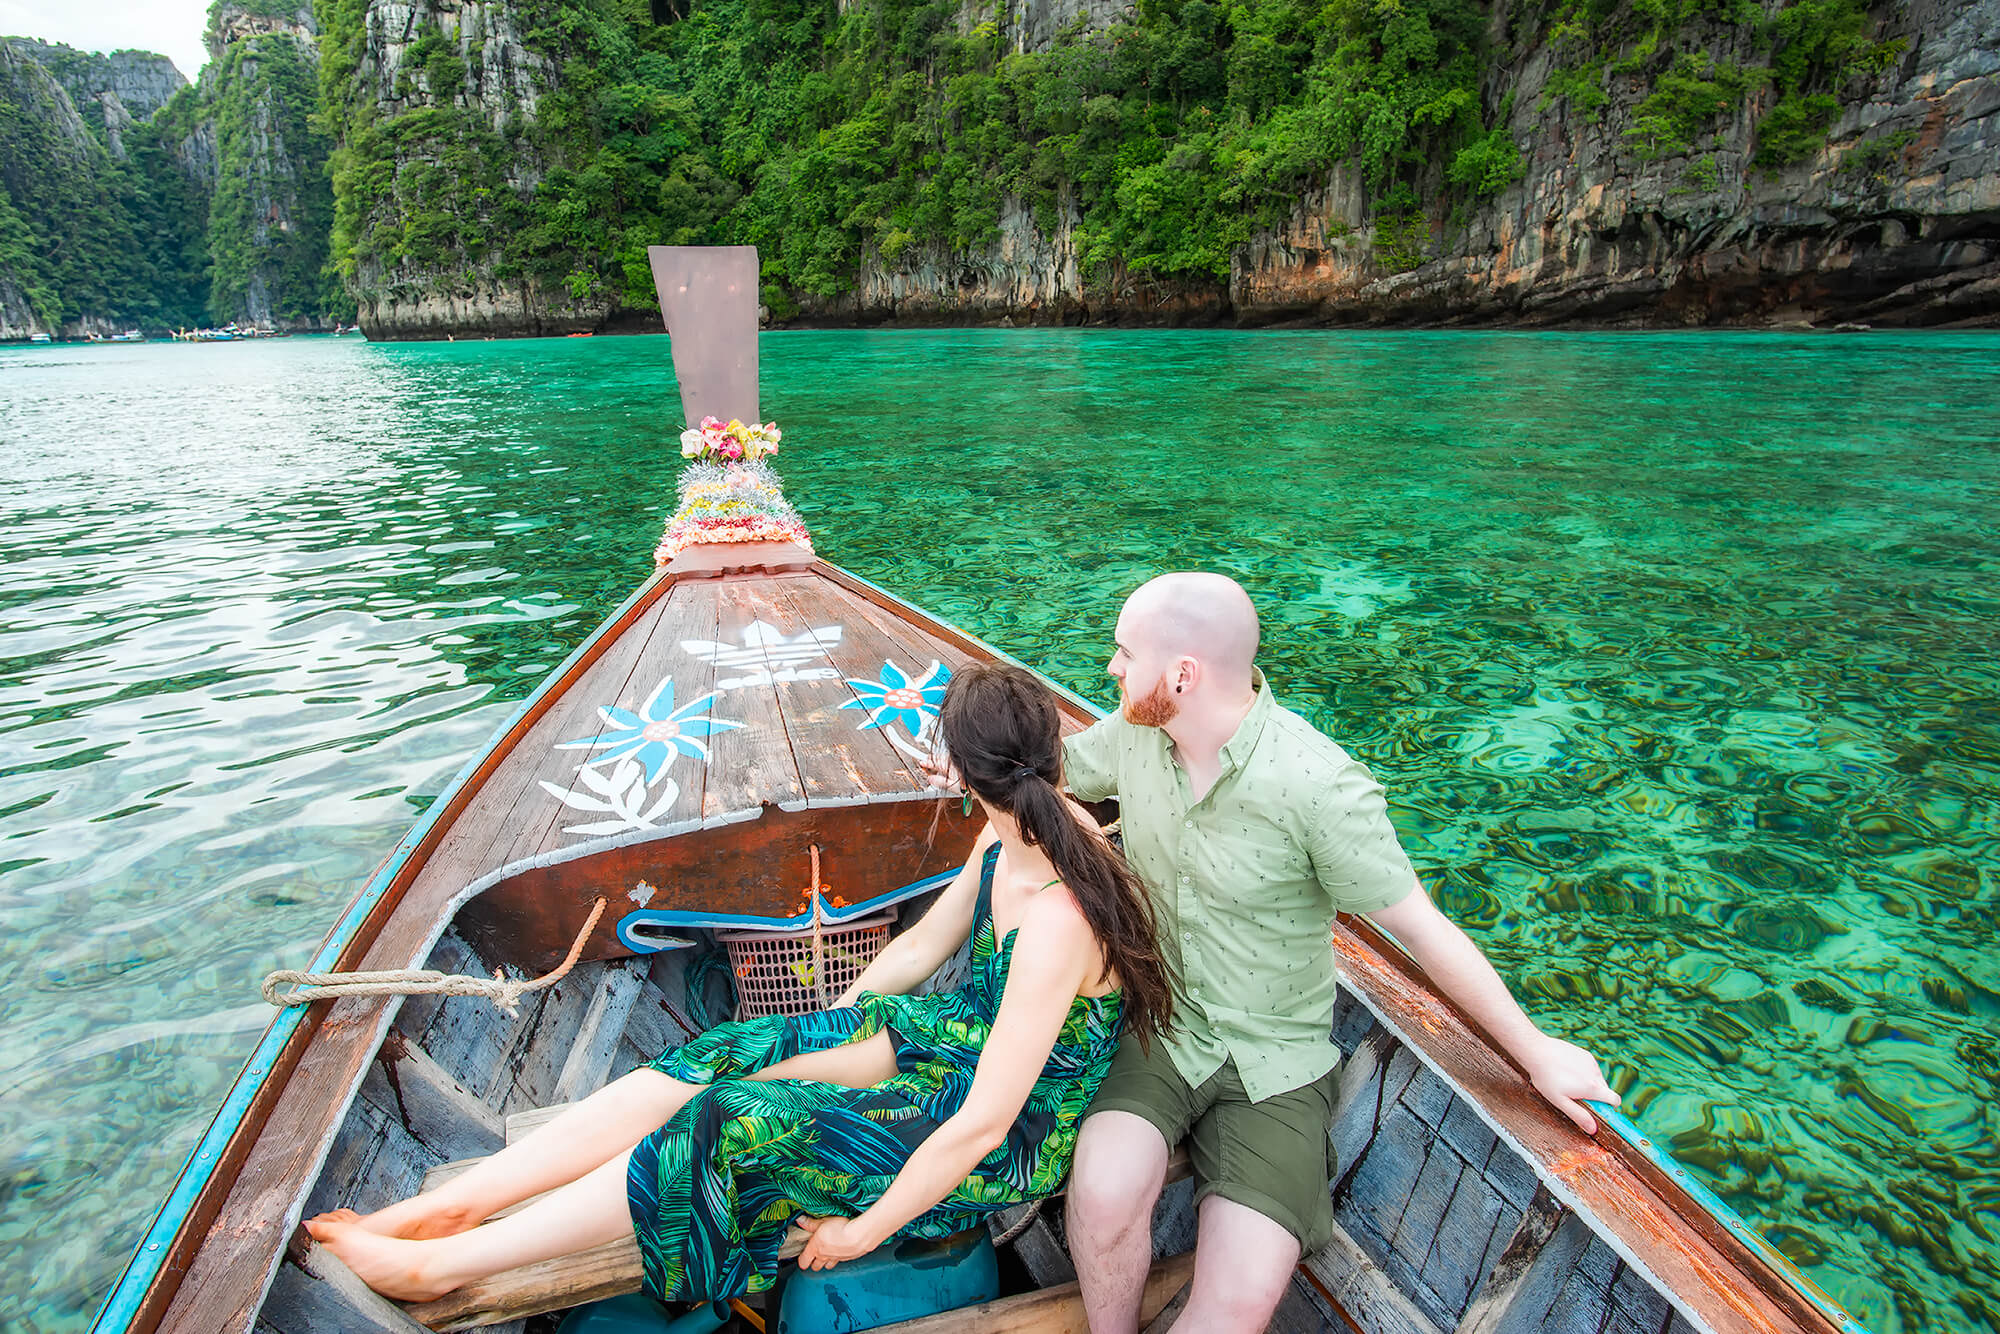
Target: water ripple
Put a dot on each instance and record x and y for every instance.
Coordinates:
(1673, 653)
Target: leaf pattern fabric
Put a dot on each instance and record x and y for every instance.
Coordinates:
(713, 1191)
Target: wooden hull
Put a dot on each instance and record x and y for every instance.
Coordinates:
(749, 714)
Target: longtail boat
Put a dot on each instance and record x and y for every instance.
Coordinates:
(735, 754)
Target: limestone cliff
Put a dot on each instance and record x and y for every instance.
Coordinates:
(1894, 220)
(442, 99)
(114, 90)
(252, 141)
(132, 199)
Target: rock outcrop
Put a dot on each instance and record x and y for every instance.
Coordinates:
(115, 90)
(447, 77)
(174, 205)
(1896, 220)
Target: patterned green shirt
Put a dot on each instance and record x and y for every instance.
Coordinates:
(1246, 881)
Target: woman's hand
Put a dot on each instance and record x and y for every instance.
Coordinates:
(832, 1241)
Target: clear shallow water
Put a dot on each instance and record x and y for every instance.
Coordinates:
(1675, 653)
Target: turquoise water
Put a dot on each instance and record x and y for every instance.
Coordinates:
(1675, 653)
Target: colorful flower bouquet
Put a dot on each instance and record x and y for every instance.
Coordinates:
(730, 502)
(716, 441)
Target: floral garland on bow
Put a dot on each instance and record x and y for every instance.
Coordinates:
(730, 502)
(717, 441)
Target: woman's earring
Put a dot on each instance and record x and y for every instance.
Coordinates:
(965, 807)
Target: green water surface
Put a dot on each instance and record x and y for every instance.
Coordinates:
(1674, 651)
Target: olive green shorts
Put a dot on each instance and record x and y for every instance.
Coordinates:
(1272, 1156)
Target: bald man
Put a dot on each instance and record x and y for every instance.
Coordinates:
(1252, 830)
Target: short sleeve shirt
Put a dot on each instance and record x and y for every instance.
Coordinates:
(1246, 881)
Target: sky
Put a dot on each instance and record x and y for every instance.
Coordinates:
(171, 27)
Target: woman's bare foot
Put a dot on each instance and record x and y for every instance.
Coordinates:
(421, 1218)
(390, 1265)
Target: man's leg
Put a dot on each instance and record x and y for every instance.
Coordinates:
(1120, 1166)
(1261, 1201)
(1242, 1265)
(1142, 1109)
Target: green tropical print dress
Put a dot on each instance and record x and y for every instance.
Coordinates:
(714, 1190)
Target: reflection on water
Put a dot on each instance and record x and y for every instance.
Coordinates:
(1674, 652)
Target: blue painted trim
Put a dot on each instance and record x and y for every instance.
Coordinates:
(1056, 686)
(1712, 1204)
(144, 1266)
(682, 917)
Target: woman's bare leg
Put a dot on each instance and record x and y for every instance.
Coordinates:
(587, 1212)
(608, 1122)
(857, 1065)
(587, 1134)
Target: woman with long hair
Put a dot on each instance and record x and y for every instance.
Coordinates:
(888, 1115)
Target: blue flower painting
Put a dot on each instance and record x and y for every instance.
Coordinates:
(898, 699)
(655, 734)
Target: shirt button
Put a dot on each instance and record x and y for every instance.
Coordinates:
(1190, 824)
(1188, 936)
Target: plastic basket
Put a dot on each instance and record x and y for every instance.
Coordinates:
(777, 974)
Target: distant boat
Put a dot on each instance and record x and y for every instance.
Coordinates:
(129, 336)
(40, 338)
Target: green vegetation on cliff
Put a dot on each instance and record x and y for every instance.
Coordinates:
(1811, 50)
(821, 134)
(219, 209)
(84, 233)
(271, 217)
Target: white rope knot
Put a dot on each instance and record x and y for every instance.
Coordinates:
(505, 992)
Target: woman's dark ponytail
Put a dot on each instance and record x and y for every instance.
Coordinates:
(1005, 737)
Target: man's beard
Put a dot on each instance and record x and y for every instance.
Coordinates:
(1156, 709)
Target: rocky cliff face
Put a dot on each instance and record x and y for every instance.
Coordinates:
(452, 80)
(1895, 220)
(115, 90)
(255, 145)
(131, 198)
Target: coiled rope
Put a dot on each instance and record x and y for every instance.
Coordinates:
(505, 992)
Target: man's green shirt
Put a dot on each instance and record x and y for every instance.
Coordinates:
(1246, 881)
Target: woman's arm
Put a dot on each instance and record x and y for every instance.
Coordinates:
(1053, 955)
(913, 956)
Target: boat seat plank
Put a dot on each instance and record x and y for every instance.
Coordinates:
(603, 1271)
(845, 760)
(753, 765)
(1363, 1289)
(1057, 1310)
(314, 1293)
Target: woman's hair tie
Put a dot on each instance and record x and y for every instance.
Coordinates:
(1022, 773)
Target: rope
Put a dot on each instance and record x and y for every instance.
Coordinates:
(712, 962)
(819, 945)
(503, 991)
(1029, 1213)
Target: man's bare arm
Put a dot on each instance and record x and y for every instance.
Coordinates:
(1562, 1072)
